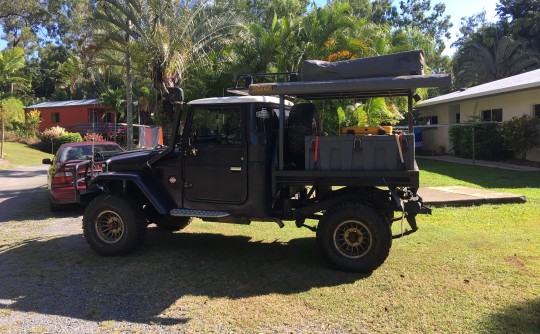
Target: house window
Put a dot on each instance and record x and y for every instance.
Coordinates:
(536, 110)
(458, 118)
(454, 110)
(92, 116)
(492, 115)
(55, 117)
(108, 118)
(428, 120)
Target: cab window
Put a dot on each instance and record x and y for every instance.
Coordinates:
(221, 125)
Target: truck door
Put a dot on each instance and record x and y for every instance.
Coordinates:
(215, 164)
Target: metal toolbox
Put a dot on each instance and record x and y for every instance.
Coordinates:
(360, 153)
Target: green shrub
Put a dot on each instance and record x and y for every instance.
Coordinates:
(52, 138)
(70, 137)
(520, 134)
(488, 141)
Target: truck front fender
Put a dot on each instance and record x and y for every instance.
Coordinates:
(158, 198)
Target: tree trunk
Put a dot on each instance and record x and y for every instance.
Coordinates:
(2, 143)
(129, 102)
(168, 117)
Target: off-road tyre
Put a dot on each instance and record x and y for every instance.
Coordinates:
(114, 225)
(354, 237)
(303, 121)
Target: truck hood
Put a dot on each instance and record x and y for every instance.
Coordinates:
(131, 160)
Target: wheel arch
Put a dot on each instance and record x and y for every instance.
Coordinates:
(134, 185)
(373, 197)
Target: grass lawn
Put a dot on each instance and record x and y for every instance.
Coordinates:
(18, 154)
(467, 270)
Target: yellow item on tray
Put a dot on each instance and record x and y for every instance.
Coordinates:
(366, 130)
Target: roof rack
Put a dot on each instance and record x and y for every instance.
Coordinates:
(243, 81)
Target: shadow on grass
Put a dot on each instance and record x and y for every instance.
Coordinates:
(482, 176)
(64, 277)
(521, 318)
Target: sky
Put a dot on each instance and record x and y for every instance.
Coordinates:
(464, 8)
(455, 8)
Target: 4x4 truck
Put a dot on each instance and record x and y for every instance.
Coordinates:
(259, 157)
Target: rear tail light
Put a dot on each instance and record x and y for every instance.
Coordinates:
(62, 179)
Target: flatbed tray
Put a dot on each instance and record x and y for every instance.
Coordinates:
(407, 178)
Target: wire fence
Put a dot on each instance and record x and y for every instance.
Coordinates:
(434, 139)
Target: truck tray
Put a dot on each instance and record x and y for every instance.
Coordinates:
(359, 153)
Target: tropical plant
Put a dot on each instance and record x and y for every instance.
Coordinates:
(72, 74)
(477, 63)
(114, 98)
(521, 134)
(49, 137)
(32, 120)
(166, 36)
(93, 137)
(11, 63)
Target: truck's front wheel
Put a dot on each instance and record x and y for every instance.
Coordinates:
(114, 225)
(354, 237)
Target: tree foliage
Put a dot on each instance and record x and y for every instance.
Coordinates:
(505, 48)
(521, 134)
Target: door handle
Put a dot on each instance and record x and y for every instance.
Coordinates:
(236, 169)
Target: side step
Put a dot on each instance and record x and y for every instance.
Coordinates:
(198, 213)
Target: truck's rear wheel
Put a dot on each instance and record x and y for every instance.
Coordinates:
(354, 237)
(114, 225)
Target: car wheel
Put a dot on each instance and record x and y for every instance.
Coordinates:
(114, 225)
(354, 237)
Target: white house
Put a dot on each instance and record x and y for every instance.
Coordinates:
(496, 101)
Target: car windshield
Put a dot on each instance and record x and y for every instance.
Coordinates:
(85, 152)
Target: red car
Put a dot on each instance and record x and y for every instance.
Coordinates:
(60, 177)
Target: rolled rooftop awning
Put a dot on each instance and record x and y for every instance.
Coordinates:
(352, 88)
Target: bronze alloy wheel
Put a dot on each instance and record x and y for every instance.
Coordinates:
(109, 227)
(353, 239)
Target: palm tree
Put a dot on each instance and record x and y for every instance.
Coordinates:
(11, 62)
(72, 73)
(479, 64)
(166, 36)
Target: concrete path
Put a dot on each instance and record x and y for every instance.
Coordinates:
(465, 196)
(20, 188)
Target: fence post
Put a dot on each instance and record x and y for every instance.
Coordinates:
(433, 143)
(473, 147)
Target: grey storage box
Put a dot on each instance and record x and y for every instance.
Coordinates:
(360, 153)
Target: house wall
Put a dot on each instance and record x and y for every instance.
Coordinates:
(512, 104)
(70, 116)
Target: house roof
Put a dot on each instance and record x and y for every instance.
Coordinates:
(69, 103)
(518, 82)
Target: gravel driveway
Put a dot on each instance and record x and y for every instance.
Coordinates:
(50, 281)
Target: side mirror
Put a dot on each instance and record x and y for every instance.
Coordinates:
(46, 161)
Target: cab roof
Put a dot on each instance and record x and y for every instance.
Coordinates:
(239, 99)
